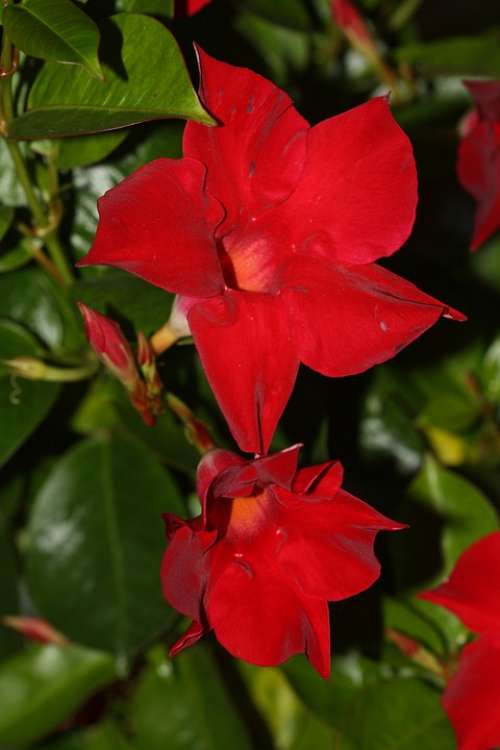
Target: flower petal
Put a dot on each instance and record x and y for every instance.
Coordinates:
(346, 320)
(472, 696)
(211, 467)
(356, 198)
(486, 95)
(478, 170)
(258, 616)
(247, 350)
(327, 546)
(191, 636)
(158, 224)
(471, 591)
(254, 158)
(322, 480)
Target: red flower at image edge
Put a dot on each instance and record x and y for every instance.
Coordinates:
(190, 7)
(266, 230)
(472, 697)
(479, 158)
(272, 545)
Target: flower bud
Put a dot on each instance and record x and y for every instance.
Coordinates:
(35, 629)
(352, 24)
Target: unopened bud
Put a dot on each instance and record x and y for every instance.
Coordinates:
(197, 433)
(352, 24)
(35, 629)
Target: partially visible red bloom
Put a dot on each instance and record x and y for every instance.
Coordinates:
(472, 697)
(479, 158)
(108, 342)
(272, 545)
(267, 230)
(348, 18)
(190, 7)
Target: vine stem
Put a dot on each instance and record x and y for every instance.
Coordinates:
(43, 228)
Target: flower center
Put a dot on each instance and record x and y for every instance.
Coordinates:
(247, 514)
(248, 262)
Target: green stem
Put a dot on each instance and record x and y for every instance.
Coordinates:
(32, 368)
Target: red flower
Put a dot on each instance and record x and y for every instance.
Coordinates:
(270, 548)
(472, 696)
(267, 230)
(190, 7)
(479, 158)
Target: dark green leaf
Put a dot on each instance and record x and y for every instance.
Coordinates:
(16, 341)
(454, 412)
(83, 150)
(95, 545)
(104, 736)
(291, 13)
(16, 257)
(138, 87)
(9, 594)
(42, 685)
(11, 192)
(6, 216)
(184, 705)
(467, 55)
(54, 30)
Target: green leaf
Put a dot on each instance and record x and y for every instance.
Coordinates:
(23, 403)
(80, 151)
(103, 736)
(467, 55)
(155, 7)
(16, 257)
(43, 685)
(11, 192)
(138, 87)
(33, 300)
(6, 216)
(453, 412)
(290, 13)
(96, 542)
(9, 594)
(406, 616)
(184, 705)
(54, 30)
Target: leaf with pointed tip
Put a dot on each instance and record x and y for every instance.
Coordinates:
(54, 30)
(138, 87)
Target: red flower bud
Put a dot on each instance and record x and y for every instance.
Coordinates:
(35, 629)
(272, 545)
(352, 24)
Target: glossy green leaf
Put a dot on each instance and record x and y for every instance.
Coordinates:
(467, 55)
(407, 617)
(95, 545)
(155, 7)
(54, 30)
(33, 300)
(42, 685)
(83, 150)
(16, 341)
(6, 216)
(184, 705)
(138, 87)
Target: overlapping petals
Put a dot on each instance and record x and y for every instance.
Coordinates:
(268, 230)
(472, 696)
(272, 545)
(479, 158)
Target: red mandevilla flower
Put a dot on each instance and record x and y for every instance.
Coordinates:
(272, 545)
(479, 158)
(267, 229)
(472, 696)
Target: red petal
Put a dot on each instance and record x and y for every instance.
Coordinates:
(486, 95)
(189, 7)
(346, 320)
(471, 591)
(212, 465)
(158, 224)
(254, 158)
(327, 545)
(472, 697)
(356, 198)
(192, 635)
(183, 570)
(479, 172)
(247, 349)
(321, 480)
(257, 615)
(280, 468)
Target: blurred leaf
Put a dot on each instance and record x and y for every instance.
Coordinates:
(11, 192)
(138, 88)
(450, 411)
(467, 55)
(33, 300)
(291, 13)
(143, 306)
(9, 603)
(16, 257)
(406, 617)
(96, 542)
(485, 264)
(293, 727)
(6, 216)
(23, 403)
(83, 150)
(54, 30)
(103, 736)
(155, 7)
(490, 372)
(184, 705)
(43, 685)
(281, 48)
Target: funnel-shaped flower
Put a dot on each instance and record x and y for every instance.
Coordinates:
(267, 230)
(272, 545)
(472, 696)
(479, 158)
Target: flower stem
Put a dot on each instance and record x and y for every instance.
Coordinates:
(163, 339)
